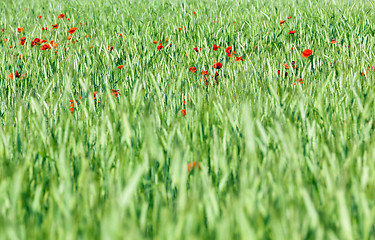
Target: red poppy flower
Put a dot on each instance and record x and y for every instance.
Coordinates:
(193, 12)
(298, 81)
(44, 28)
(155, 42)
(218, 65)
(17, 75)
(71, 103)
(306, 53)
(3, 30)
(278, 72)
(61, 16)
(193, 69)
(69, 37)
(35, 41)
(20, 29)
(281, 22)
(197, 49)
(183, 111)
(228, 49)
(215, 48)
(45, 47)
(68, 19)
(238, 59)
(180, 29)
(72, 30)
(193, 165)
(77, 101)
(159, 47)
(55, 26)
(121, 66)
(115, 93)
(23, 40)
(286, 66)
(333, 41)
(286, 74)
(204, 72)
(289, 17)
(292, 32)
(205, 81)
(39, 17)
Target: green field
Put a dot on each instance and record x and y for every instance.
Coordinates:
(166, 150)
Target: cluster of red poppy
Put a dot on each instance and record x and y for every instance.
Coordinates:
(369, 71)
(229, 51)
(180, 29)
(217, 65)
(38, 41)
(17, 75)
(160, 46)
(193, 165)
(114, 92)
(71, 109)
(23, 40)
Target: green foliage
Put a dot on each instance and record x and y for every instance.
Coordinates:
(278, 160)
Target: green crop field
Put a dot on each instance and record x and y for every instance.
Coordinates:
(187, 119)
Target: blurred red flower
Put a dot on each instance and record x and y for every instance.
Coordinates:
(193, 69)
(72, 30)
(218, 65)
(306, 53)
(193, 165)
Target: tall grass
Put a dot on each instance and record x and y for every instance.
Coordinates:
(278, 160)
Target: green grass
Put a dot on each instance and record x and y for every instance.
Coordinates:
(278, 160)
